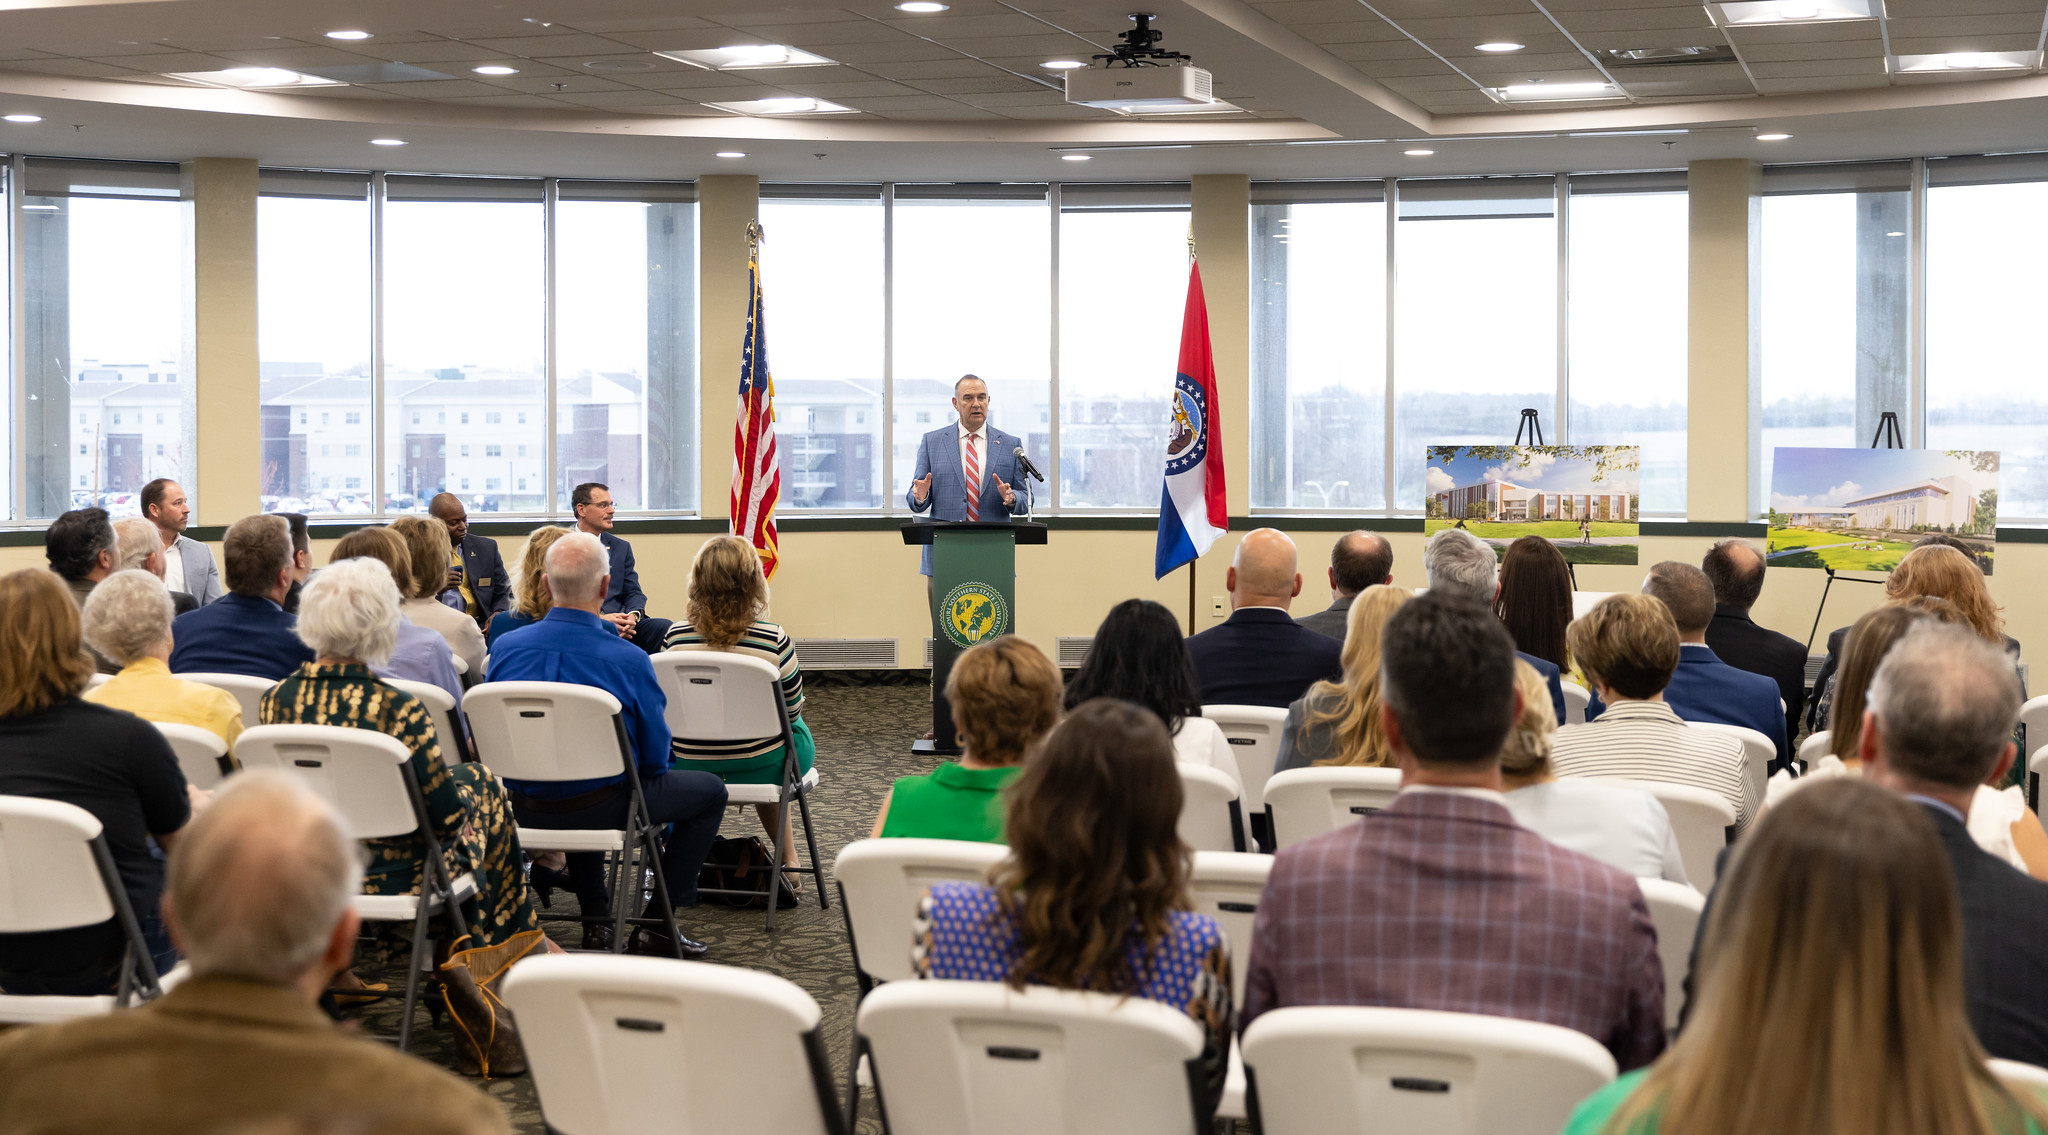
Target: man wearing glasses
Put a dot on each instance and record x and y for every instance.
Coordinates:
(625, 607)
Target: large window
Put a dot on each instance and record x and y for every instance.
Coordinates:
(107, 371)
(822, 273)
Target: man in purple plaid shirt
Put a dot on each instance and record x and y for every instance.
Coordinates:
(1441, 901)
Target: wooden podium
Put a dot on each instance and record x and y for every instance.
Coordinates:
(973, 599)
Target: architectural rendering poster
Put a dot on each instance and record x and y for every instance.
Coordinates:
(1862, 509)
(1582, 498)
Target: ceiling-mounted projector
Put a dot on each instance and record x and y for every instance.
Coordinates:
(1136, 74)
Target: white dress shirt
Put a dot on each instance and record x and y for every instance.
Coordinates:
(1200, 741)
(1625, 828)
(174, 568)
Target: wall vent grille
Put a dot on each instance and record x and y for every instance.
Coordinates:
(846, 653)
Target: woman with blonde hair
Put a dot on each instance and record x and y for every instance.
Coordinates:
(1005, 695)
(427, 540)
(1338, 723)
(728, 599)
(1625, 828)
(530, 599)
(1830, 1002)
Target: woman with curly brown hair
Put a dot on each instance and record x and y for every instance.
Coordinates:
(1094, 892)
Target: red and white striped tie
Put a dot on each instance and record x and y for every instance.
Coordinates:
(973, 481)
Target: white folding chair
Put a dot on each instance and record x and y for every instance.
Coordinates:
(1304, 803)
(1700, 819)
(1576, 699)
(1814, 748)
(716, 696)
(2034, 718)
(880, 883)
(1757, 754)
(97, 680)
(448, 729)
(57, 874)
(555, 731)
(615, 1043)
(2019, 1077)
(1210, 818)
(248, 690)
(368, 777)
(1675, 910)
(1254, 735)
(1226, 886)
(981, 1058)
(1317, 1069)
(202, 755)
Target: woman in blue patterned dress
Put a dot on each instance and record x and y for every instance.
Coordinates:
(1094, 892)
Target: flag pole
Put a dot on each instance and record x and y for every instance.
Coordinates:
(1191, 563)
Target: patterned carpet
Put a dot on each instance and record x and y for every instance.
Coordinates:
(863, 734)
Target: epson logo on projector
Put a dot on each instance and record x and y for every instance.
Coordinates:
(1124, 87)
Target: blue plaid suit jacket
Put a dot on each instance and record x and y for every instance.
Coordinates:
(939, 455)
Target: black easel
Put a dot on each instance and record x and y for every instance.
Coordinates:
(1530, 426)
(1888, 433)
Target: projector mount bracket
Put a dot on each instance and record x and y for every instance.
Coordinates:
(1136, 47)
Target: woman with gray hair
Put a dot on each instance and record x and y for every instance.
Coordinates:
(349, 616)
(128, 620)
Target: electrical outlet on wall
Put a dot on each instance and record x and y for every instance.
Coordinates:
(1218, 607)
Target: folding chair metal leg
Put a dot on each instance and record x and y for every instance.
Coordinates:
(775, 872)
(420, 949)
(619, 893)
(853, 1081)
(803, 805)
(651, 837)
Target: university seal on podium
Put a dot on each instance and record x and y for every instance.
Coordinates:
(972, 613)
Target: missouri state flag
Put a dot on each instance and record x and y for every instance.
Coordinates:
(1192, 513)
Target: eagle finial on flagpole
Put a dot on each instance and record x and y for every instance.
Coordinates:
(1191, 242)
(755, 236)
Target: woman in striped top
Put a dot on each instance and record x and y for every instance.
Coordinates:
(727, 597)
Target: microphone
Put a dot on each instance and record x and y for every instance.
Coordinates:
(1024, 459)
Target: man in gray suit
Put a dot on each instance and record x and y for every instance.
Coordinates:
(938, 489)
(188, 564)
(1360, 560)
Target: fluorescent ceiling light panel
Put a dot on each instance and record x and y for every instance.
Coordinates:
(1793, 11)
(1557, 92)
(1968, 61)
(782, 106)
(253, 78)
(741, 57)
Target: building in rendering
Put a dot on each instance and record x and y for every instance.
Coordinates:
(1507, 502)
(1938, 502)
(1819, 517)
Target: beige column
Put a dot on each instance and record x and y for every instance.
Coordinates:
(1724, 330)
(224, 474)
(725, 203)
(1221, 209)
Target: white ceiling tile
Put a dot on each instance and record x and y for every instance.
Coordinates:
(544, 84)
(434, 89)
(520, 102)
(978, 85)
(1308, 11)
(640, 24)
(1043, 46)
(1817, 69)
(901, 50)
(1347, 31)
(78, 68)
(436, 51)
(525, 47)
(958, 67)
(1965, 27)
(1829, 83)
(1942, 45)
(839, 92)
(808, 35)
(947, 28)
(299, 58)
(1834, 49)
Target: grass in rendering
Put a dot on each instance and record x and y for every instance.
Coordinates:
(1842, 551)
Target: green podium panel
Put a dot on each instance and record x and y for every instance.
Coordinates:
(973, 600)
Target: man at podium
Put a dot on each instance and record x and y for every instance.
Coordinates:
(968, 452)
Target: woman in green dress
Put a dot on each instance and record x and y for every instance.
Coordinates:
(728, 596)
(1005, 695)
(349, 615)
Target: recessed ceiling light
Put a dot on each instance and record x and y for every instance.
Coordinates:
(742, 56)
(921, 7)
(22, 119)
(1895, 234)
(495, 69)
(253, 78)
(350, 34)
(1772, 137)
(1063, 65)
(1501, 46)
(731, 154)
(1556, 92)
(387, 141)
(1419, 153)
(1970, 61)
(1792, 11)
(1075, 157)
(781, 106)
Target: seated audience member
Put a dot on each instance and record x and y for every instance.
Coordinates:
(418, 655)
(246, 631)
(1736, 572)
(55, 746)
(1942, 572)
(1094, 892)
(573, 644)
(1829, 995)
(1459, 563)
(349, 616)
(625, 607)
(1704, 688)
(1938, 726)
(475, 581)
(1139, 656)
(1535, 600)
(728, 597)
(135, 539)
(1999, 819)
(1358, 560)
(1442, 901)
(1338, 723)
(1625, 828)
(427, 540)
(1628, 647)
(1005, 695)
(80, 548)
(128, 620)
(258, 899)
(1260, 656)
(302, 558)
(529, 588)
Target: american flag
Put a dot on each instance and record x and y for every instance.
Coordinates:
(756, 472)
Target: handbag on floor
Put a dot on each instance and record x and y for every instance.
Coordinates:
(742, 865)
(487, 1041)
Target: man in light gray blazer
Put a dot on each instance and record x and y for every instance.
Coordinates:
(938, 489)
(1360, 560)
(188, 564)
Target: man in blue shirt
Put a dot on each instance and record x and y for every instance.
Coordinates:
(246, 631)
(575, 644)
